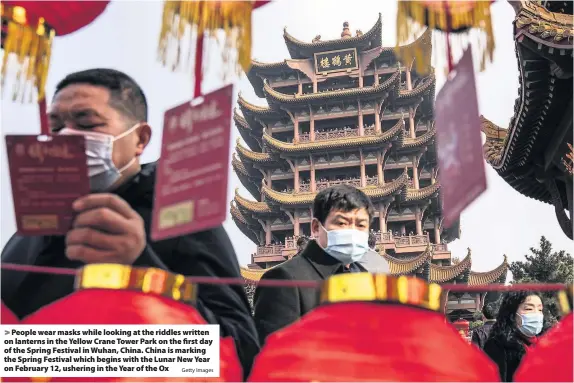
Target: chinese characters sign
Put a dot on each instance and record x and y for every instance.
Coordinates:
(191, 184)
(459, 143)
(335, 61)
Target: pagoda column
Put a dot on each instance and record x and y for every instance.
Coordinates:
(361, 127)
(415, 173)
(296, 223)
(363, 173)
(433, 175)
(418, 221)
(268, 178)
(436, 230)
(412, 123)
(315, 85)
(267, 233)
(296, 128)
(360, 80)
(383, 207)
(376, 75)
(380, 170)
(409, 80)
(312, 174)
(296, 176)
(377, 118)
(299, 84)
(311, 124)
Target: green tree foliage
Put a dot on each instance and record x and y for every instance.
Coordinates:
(544, 265)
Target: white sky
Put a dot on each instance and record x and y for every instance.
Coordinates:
(125, 37)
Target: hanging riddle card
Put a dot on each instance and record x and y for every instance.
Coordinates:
(48, 173)
(191, 184)
(459, 141)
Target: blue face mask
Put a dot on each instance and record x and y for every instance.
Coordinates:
(531, 324)
(346, 245)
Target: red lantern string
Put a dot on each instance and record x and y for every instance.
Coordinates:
(448, 47)
(198, 66)
(304, 284)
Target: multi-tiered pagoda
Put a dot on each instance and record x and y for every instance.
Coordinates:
(346, 111)
(534, 155)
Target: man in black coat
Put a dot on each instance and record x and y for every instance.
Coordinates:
(113, 222)
(340, 226)
(480, 334)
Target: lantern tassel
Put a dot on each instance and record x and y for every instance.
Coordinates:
(26, 54)
(186, 21)
(448, 17)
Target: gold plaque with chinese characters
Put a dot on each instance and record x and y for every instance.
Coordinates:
(335, 61)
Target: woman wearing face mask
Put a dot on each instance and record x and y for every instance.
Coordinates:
(519, 322)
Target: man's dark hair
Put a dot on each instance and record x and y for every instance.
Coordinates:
(302, 241)
(340, 198)
(126, 96)
(489, 311)
(372, 240)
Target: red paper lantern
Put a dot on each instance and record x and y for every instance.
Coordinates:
(7, 316)
(381, 336)
(462, 325)
(118, 306)
(551, 359)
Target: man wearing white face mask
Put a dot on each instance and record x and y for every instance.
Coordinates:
(341, 219)
(112, 223)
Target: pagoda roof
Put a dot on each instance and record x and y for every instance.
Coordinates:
(411, 194)
(407, 266)
(263, 112)
(302, 50)
(441, 274)
(438, 274)
(252, 156)
(345, 142)
(420, 90)
(497, 275)
(242, 223)
(251, 206)
(245, 130)
(307, 198)
(275, 97)
(260, 70)
(421, 140)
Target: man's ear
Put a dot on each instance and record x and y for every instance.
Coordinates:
(314, 226)
(144, 137)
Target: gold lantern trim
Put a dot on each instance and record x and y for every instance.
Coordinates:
(182, 19)
(450, 17)
(27, 49)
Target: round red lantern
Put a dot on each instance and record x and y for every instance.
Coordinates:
(7, 316)
(372, 328)
(462, 326)
(551, 359)
(28, 28)
(123, 295)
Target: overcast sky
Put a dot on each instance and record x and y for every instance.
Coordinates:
(125, 37)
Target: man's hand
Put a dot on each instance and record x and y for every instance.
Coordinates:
(106, 230)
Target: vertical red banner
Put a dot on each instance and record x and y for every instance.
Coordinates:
(459, 141)
(191, 184)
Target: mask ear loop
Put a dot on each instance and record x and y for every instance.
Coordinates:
(127, 132)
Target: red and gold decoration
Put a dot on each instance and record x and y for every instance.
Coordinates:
(372, 328)
(28, 30)
(453, 18)
(187, 21)
(122, 295)
(462, 326)
(7, 316)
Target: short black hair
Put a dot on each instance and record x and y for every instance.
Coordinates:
(372, 240)
(126, 96)
(489, 311)
(302, 241)
(343, 198)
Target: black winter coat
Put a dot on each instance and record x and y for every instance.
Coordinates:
(206, 253)
(506, 353)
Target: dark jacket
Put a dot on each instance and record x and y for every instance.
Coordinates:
(506, 353)
(480, 334)
(277, 307)
(206, 253)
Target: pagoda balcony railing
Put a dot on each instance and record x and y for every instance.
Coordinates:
(336, 134)
(441, 247)
(382, 239)
(320, 185)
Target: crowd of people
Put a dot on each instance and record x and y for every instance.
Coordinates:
(112, 225)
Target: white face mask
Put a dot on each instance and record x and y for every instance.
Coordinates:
(102, 171)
